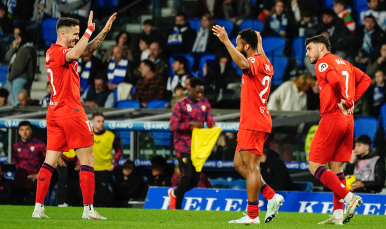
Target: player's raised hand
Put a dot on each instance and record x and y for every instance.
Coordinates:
(342, 107)
(220, 33)
(259, 39)
(109, 23)
(90, 17)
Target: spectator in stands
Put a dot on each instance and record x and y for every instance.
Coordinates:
(28, 155)
(290, 95)
(127, 185)
(178, 95)
(308, 20)
(78, 9)
(274, 171)
(119, 69)
(88, 67)
(22, 12)
(180, 65)
(367, 166)
(225, 147)
(6, 25)
(123, 40)
(181, 37)
(297, 7)
(219, 73)
(206, 41)
(149, 33)
(144, 47)
(379, 15)
(213, 7)
(151, 86)
(339, 35)
(340, 9)
(5, 187)
(104, 163)
(156, 56)
(3, 97)
(368, 38)
(25, 100)
(99, 94)
(237, 10)
(313, 101)
(22, 64)
(45, 102)
(45, 9)
(377, 63)
(377, 93)
(158, 176)
(178, 174)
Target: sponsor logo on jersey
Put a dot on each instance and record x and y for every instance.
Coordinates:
(267, 68)
(47, 58)
(53, 103)
(251, 59)
(322, 67)
(340, 61)
(189, 107)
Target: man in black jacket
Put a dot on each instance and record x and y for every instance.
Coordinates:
(181, 38)
(274, 171)
(367, 166)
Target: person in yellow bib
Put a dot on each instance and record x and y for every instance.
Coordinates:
(105, 161)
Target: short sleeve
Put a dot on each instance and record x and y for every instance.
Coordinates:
(323, 68)
(253, 66)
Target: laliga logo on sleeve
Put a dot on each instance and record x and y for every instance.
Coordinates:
(322, 67)
(251, 59)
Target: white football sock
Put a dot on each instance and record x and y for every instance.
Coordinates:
(348, 197)
(88, 207)
(39, 206)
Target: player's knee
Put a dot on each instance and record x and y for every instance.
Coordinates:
(251, 167)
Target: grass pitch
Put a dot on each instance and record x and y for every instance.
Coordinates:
(20, 217)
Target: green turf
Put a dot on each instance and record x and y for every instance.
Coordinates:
(20, 217)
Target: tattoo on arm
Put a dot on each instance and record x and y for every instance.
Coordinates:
(94, 44)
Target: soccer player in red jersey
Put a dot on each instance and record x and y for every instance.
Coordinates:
(341, 85)
(67, 124)
(255, 119)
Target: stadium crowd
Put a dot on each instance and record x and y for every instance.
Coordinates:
(158, 65)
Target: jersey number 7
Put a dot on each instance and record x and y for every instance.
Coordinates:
(49, 71)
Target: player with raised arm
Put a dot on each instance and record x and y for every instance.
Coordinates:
(255, 119)
(67, 124)
(341, 85)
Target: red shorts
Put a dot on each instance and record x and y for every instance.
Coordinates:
(66, 134)
(333, 140)
(251, 140)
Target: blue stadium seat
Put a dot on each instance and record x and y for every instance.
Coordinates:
(273, 46)
(195, 24)
(48, 28)
(238, 184)
(382, 115)
(252, 24)
(124, 136)
(187, 56)
(157, 104)
(238, 70)
(128, 104)
(279, 65)
(3, 74)
(203, 61)
(303, 186)
(219, 183)
(299, 50)
(161, 138)
(365, 125)
(360, 5)
(233, 40)
(108, 6)
(329, 4)
(228, 25)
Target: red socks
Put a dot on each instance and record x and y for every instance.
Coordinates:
(338, 201)
(329, 179)
(267, 192)
(44, 179)
(253, 209)
(87, 183)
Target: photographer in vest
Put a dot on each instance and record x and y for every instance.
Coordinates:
(105, 161)
(367, 166)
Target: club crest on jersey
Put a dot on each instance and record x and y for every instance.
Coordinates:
(19, 149)
(267, 68)
(322, 67)
(340, 61)
(32, 148)
(203, 107)
(262, 109)
(189, 107)
(251, 59)
(47, 58)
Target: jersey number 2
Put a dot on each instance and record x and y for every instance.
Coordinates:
(345, 73)
(266, 81)
(49, 71)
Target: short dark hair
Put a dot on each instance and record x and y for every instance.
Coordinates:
(179, 86)
(182, 14)
(182, 60)
(370, 16)
(320, 39)
(101, 76)
(127, 163)
(66, 22)
(249, 37)
(25, 123)
(4, 8)
(149, 22)
(128, 40)
(341, 2)
(329, 12)
(365, 139)
(158, 161)
(97, 114)
(150, 64)
(195, 81)
(4, 93)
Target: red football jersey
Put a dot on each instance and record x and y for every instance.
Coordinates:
(337, 80)
(65, 84)
(256, 84)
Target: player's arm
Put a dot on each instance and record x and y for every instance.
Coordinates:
(94, 44)
(77, 51)
(175, 123)
(118, 151)
(260, 45)
(237, 57)
(362, 82)
(209, 118)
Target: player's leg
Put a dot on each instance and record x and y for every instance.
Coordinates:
(274, 201)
